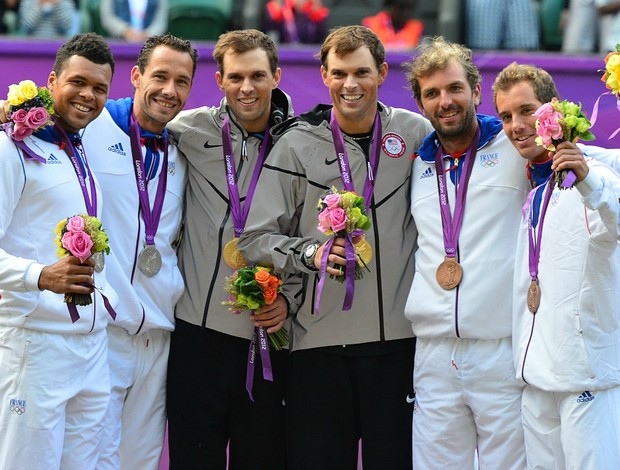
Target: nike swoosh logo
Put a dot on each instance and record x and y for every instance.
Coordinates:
(410, 399)
(330, 162)
(209, 146)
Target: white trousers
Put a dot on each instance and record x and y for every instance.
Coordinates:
(54, 392)
(572, 430)
(467, 397)
(136, 418)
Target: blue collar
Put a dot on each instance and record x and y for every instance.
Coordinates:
(120, 111)
(490, 126)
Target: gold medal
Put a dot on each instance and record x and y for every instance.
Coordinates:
(232, 256)
(449, 274)
(533, 297)
(364, 251)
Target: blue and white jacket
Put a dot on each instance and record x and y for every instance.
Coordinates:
(481, 306)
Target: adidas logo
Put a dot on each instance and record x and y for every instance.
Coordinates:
(585, 397)
(117, 148)
(53, 160)
(427, 173)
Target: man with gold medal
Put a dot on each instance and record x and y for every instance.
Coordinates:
(225, 147)
(467, 190)
(355, 143)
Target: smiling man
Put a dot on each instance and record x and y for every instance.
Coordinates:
(54, 380)
(467, 191)
(143, 176)
(208, 405)
(566, 344)
(350, 370)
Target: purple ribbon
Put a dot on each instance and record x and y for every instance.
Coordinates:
(90, 201)
(367, 193)
(77, 162)
(452, 225)
(534, 245)
(239, 217)
(240, 214)
(569, 179)
(29, 154)
(75, 316)
(151, 217)
(261, 335)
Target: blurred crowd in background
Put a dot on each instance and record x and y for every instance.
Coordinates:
(571, 26)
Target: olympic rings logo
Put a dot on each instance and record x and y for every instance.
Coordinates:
(488, 163)
(18, 410)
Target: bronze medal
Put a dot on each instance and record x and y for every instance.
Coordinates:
(533, 296)
(149, 261)
(449, 274)
(364, 251)
(232, 256)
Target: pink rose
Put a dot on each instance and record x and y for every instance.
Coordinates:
(331, 200)
(75, 224)
(338, 219)
(37, 117)
(324, 221)
(548, 126)
(20, 131)
(79, 244)
(544, 110)
(19, 116)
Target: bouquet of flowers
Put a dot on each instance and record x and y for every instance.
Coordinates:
(558, 121)
(80, 236)
(611, 77)
(252, 287)
(342, 213)
(30, 109)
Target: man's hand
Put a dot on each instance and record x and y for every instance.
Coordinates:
(337, 255)
(68, 276)
(569, 157)
(271, 316)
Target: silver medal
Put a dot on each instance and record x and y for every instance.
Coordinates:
(149, 261)
(99, 259)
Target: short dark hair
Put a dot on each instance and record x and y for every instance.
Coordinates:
(168, 40)
(244, 40)
(91, 46)
(346, 39)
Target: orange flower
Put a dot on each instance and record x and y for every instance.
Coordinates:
(270, 295)
(262, 278)
(274, 282)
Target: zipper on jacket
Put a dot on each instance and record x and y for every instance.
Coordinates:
(220, 235)
(378, 268)
(457, 170)
(22, 366)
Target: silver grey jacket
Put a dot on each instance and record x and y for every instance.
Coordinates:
(208, 224)
(283, 221)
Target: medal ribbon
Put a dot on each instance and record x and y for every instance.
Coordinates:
(81, 167)
(534, 245)
(151, 217)
(260, 336)
(81, 171)
(367, 193)
(240, 214)
(452, 225)
(343, 159)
